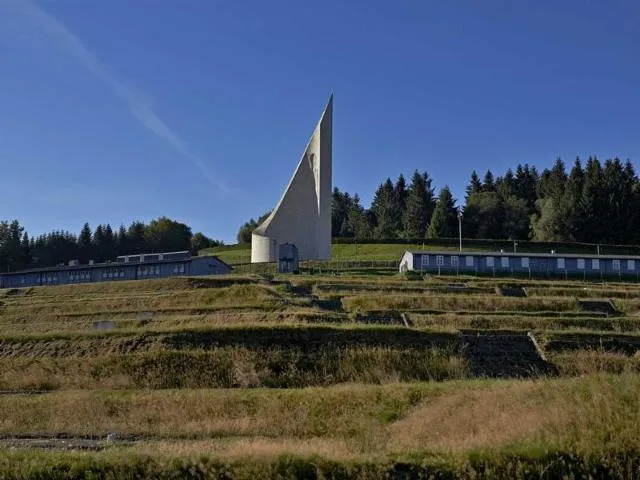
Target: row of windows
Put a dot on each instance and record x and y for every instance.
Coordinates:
(178, 268)
(79, 276)
(107, 273)
(46, 279)
(148, 271)
(524, 262)
(155, 270)
(454, 261)
(113, 273)
(110, 273)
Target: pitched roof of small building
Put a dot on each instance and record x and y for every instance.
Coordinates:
(112, 264)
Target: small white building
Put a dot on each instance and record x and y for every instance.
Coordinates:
(565, 264)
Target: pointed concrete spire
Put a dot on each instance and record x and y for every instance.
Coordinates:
(303, 214)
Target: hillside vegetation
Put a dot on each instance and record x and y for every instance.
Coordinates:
(241, 253)
(340, 376)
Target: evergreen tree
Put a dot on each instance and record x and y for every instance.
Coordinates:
(475, 185)
(444, 220)
(591, 206)
(488, 184)
(571, 200)
(420, 206)
(632, 185)
(136, 241)
(506, 186)
(10, 246)
(13, 247)
(35, 246)
(97, 245)
(357, 219)
(400, 196)
(54, 248)
(344, 230)
(383, 209)
(619, 194)
(85, 244)
(552, 182)
(122, 245)
(109, 246)
(525, 183)
(25, 247)
(339, 207)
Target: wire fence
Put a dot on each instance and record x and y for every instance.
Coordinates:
(321, 267)
(387, 266)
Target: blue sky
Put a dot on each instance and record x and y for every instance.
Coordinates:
(118, 110)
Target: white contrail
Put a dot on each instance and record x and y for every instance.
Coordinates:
(137, 106)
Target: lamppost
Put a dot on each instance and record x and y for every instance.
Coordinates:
(460, 227)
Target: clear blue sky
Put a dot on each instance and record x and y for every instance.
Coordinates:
(118, 110)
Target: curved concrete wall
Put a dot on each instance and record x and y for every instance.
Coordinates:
(303, 214)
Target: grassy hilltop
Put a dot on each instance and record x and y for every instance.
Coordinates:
(316, 377)
(391, 252)
(241, 253)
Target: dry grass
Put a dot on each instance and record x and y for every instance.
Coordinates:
(571, 413)
(256, 296)
(580, 291)
(537, 321)
(581, 414)
(588, 362)
(628, 306)
(341, 412)
(131, 286)
(266, 448)
(185, 303)
(167, 321)
(475, 419)
(232, 367)
(455, 303)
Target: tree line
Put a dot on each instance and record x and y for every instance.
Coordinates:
(19, 251)
(593, 202)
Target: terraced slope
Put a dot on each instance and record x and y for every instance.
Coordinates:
(373, 374)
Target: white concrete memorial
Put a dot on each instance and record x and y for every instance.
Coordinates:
(303, 214)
